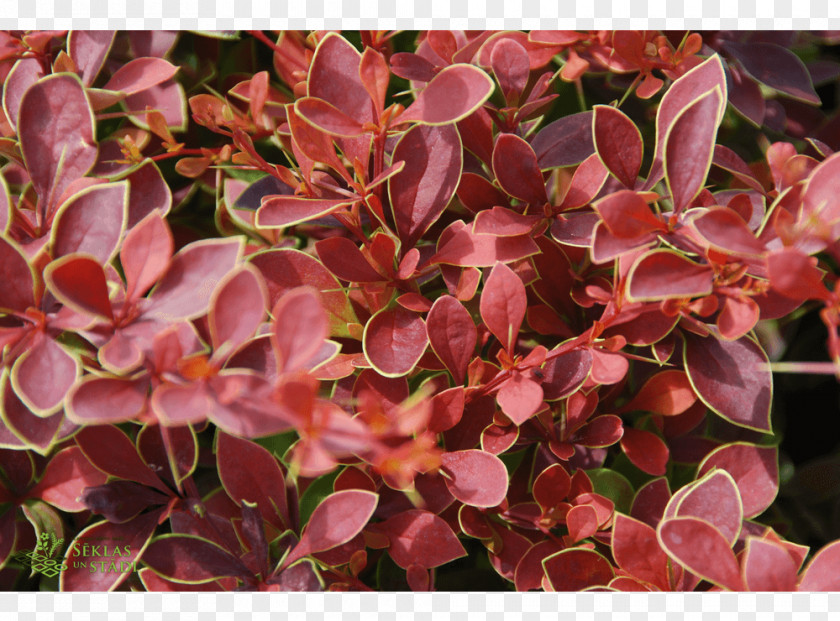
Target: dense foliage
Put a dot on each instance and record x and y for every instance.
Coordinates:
(452, 310)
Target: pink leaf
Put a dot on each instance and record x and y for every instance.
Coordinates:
(184, 291)
(237, 307)
(139, 74)
(823, 572)
(420, 538)
(300, 327)
(715, 499)
(336, 520)
(148, 192)
(754, 469)
(394, 341)
(282, 211)
(520, 398)
(458, 245)
(767, 566)
(626, 214)
(700, 548)
(42, 376)
(334, 77)
(511, 67)
(453, 94)
(726, 231)
(732, 378)
(56, 135)
(91, 221)
(582, 522)
(145, 254)
(433, 159)
(103, 400)
(503, 305)
(327, 117)
(89, 49)
(475, 477)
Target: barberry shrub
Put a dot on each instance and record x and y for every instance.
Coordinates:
(438, 310)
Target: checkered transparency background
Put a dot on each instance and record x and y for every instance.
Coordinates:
(417, 15)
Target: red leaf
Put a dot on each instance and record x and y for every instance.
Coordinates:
(667, 393)
(664, 274)
(650, 501)
(139, 74)
(823, 572)
(79, 281)
(67, 475)
(250, 473)
(56, 135)
(517, 171)
(820, 192)
(420, 538)
(394, 341)
(754, 469)
(626, 214)
(92, 222)
(387, 392)
(145, 254)
(344, 259)
(715, 499)
(689, 146)
(503, 305)
(131, 537)
(587, 181)
(101, 400)
(184, 291)
(42, 376)
(475, 477)
(110, 450)
(738, 316)
(551, 487)
(453, 94)
(576, 569)
(731, 377)
(237, 307)
(336, 520)
(520, 398)
(646, 450)
(582, 522)
(505, 222)
(727, 232)
(433, 159)
(767, 566)
(190, 559)
(618, 143)
(452, 335)
(374, 73)
(447, 409)
(16, 280)
(458, 245)
(564, 374)
(601, 431)
(565, 142)
(636, 551)
(700, 548)
(776, 67)
(529, 571)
